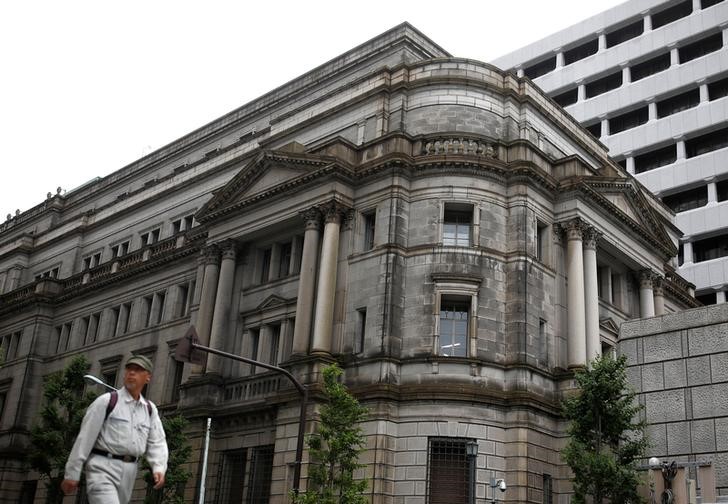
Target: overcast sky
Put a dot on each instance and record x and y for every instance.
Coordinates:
(87, 87)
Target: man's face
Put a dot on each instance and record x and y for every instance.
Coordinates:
(135, 377)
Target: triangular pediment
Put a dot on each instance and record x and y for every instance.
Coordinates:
(271, 302)
(625, 201)
(610, 326)
(270, 173)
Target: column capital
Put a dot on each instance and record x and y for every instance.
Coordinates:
(646, 278)
(334, 211)
(591, 237)
(658, 282)
(228, 249)
(210, 255)
(573, 229)
(312, 218)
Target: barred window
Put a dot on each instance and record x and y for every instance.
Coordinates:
(261, 472)
(449, 472)
(230, 477)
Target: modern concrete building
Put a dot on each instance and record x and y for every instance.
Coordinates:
(649, 78)
(442, 229)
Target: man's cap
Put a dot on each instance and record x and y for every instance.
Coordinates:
(141, 361)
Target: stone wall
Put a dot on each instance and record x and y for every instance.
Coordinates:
(679, 365)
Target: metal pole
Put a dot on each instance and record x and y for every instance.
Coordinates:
(204, 461)
(304, 401)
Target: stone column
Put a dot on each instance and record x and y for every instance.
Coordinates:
(601, 41)
(680, 147)
(651, 109)
(687, 252)
(647, 298)
(211, 262)
(626, 75)
(659, 295)
(712, 191)
(703, 90)
(307, 281)
(647, 20)
(591, 294)
(324, 319)
(674, 55)
(576, 342)
(580, 91)
(223, 302)
(696, 6)
(630, 162)
(605, 126)
(559, 57)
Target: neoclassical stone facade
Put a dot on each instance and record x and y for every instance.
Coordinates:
(440, 228)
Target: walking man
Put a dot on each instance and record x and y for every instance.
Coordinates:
(117, 429)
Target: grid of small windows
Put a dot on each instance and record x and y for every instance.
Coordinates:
(671, 14)
(687, 200)
(581, 51)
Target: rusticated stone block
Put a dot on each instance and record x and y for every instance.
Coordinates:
(666, 406)
(703, 436)
(698, 370)
(708, 339)
(678, 438)
(675, 375)
(652, 377)
(710, 400)
(662, 347)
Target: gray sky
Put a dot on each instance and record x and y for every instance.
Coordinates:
(87, 87)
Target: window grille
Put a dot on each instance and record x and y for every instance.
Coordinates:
(230, 477)
(261, 471)
(448, 471)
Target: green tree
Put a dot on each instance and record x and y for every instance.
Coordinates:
(60, 420)
(334, 450)
(606, 440)
(179, 455)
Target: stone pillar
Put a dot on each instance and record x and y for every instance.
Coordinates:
(324, 319)
(651, 109)
(606, 281)
(576, 342)
(605, 127)
(720, 297)
(223, 301)
(307, 282)
(687, 252)
(580, 91)
(602, 41)
(712, 191)
(591, 294)
(659, 295)
(703, 89)
(680, 147)
(674, 55)
(647, 19)
(559, 57)
(696, 6)
(626, 74)
(211, 261)
(630, 163)
(647, 298)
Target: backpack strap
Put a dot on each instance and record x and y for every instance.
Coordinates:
(115, 398)
(112, 403)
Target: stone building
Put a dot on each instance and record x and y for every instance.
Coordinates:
(442, 229)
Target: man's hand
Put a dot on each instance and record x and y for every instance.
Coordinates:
(69, 486)
(158, 480)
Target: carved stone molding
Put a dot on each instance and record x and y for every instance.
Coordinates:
(658, 283)
(572, 229)
(440, 146)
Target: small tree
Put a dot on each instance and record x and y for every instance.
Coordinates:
(179, 454)
(335, 448)
(606, 441)
(60, 420)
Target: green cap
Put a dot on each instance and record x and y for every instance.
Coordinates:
(140, 361)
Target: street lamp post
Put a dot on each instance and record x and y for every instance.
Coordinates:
(98, 381)
(189, 351)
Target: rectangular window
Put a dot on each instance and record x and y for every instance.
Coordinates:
(542, 235)
(230, 477)
(188, 222)
(678, 103)
(581, 51)
(687, 200)
(654, 159)
(369, 223)
(275, 343)
(625, 33)
(361, 327)
(178, 369)
(718, 89)
(176, 226)
(700, 48)
(567, 97)
(650, 67)
(265, 265)
(147, 310)
(706, 143)
(708, 298)
(454, 313)
(284, 263)
(254, 344)
(601, 86)
(629, 120)
(261, 472)
(184, 300)
(159, 299)
(109, 376)
(710, 248)
(92, 330)
(548, 490)
(125, 318)
(722, 190)
(540, 68)
(449, 471)
(457, 221)
(119, 250)
(704, 4)
(671, 14)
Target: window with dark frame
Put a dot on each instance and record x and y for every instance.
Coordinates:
(147, 306)
(261, 473)
(603, 85)
(722, 190)
(628, 120)
(361, 327)
(700, 48)
(687, 200)
(176, 379)
(548, 489)
(710, 248)
(678, 103)
(671, 14)
(369, 223)
(265, 264)
(448, 471)
(650, 67)
(655, 159)
(581, 51)
(275, 343)
(541, 68)
(254, 344)
(284, 266)
(457, 221)
(567, 97)
(454, 315)
(184, 300)
(718, 89)
(595, 129)
(707, 298)
(230, 477)
(704, 4)
(542, 234)
(625, 33)
(706, 143)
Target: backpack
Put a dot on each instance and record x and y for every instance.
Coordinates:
(115, 398)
